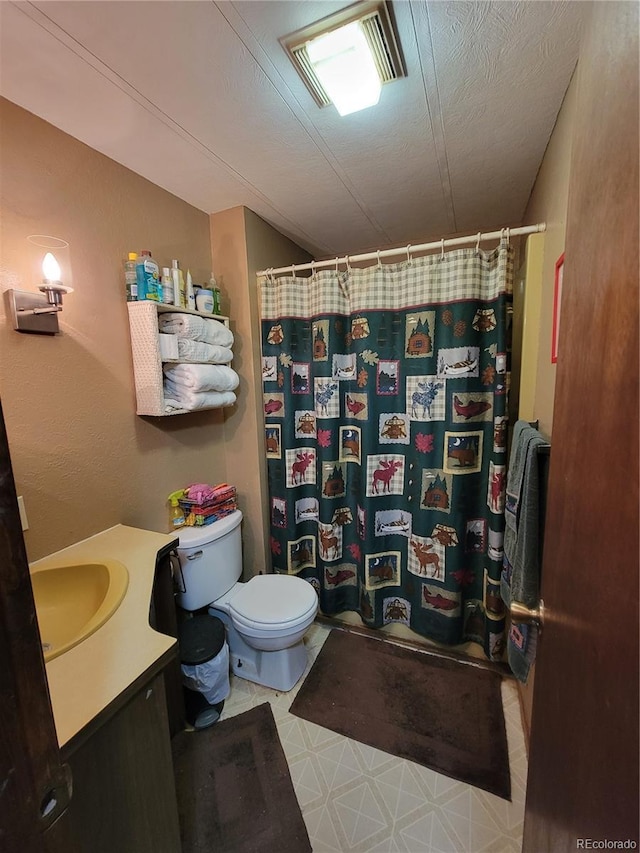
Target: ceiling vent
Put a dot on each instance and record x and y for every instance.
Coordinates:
(375, 20)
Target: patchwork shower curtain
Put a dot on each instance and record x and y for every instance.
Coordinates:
(385, 403)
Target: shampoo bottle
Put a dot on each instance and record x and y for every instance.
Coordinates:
(167, 286)
(191, 299)
(130, 279)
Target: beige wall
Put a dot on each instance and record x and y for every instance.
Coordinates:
(243, 243)
(82, 459)
(548, 203)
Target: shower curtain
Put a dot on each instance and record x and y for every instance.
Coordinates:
(385, 403)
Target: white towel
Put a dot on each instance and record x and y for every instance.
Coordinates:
(196, 328)
(202, 377)
(177, 391)
(198, 351)
(210, 400)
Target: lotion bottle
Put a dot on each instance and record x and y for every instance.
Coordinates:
(191, 299)
(179, 294)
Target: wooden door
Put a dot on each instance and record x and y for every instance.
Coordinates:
(35, 786)
(583, 766)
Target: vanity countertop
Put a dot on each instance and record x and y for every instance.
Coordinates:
(88, 677)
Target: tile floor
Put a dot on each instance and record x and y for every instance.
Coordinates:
(356, 798)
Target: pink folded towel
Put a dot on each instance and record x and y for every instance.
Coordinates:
(199, 493)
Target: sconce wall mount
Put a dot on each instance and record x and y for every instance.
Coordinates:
(34, 312)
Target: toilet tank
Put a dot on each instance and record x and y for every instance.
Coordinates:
(210, 561)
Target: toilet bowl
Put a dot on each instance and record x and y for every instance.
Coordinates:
(266, 618)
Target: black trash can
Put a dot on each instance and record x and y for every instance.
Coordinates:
(204, 656)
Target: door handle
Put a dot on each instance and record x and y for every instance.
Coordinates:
(529, 615)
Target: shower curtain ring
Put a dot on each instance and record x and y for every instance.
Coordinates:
(313, 268)
(442, 249)
(478, 241)
(409, 259)
(293, 270)
(508, 230)
(379, 262)
(346, 258)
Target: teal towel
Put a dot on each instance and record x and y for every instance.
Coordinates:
(520, 580)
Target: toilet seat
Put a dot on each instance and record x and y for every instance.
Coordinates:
(273, 603)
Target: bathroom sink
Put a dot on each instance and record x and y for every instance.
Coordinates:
(74, 601)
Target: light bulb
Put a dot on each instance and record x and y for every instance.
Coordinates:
(50, 268)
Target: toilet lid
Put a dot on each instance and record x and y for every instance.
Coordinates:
(273, 600)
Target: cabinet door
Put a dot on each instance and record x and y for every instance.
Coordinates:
(124, 795)
(35, 785)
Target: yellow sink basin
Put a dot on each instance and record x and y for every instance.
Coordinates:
(74, 601)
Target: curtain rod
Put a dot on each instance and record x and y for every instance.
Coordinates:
(422, 247)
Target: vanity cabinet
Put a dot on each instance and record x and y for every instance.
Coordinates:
(148, 358)
(124, 798)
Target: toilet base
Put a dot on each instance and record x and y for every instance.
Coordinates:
(280, 669)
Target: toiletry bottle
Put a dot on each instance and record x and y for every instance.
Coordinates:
(176, 514)
(130, 280)
(215, 290)
(167, 286)
(147, 274)
(191, 299)
(204, 301)
(179, 292)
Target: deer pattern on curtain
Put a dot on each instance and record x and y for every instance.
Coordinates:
(385, 404)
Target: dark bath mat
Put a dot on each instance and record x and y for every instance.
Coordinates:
(431, 710)
(235, 793)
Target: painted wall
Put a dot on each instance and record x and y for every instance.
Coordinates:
(243, 243)
(82, 458)
(548, 203)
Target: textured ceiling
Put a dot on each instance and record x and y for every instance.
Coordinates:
(200, 98)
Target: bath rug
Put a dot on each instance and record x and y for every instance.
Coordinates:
(234, 790)
(432, 710)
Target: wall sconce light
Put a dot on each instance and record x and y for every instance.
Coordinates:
(38, 313)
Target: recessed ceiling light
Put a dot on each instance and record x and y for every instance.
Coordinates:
(345, 58)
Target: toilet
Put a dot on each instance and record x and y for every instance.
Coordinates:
(266, 618)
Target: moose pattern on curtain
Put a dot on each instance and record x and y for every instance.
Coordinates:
(385, 403)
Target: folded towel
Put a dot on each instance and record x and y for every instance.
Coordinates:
(196, 328)
(520, 579)
(190, 401)
(202, 377)
(200, 352)
(522, 435)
